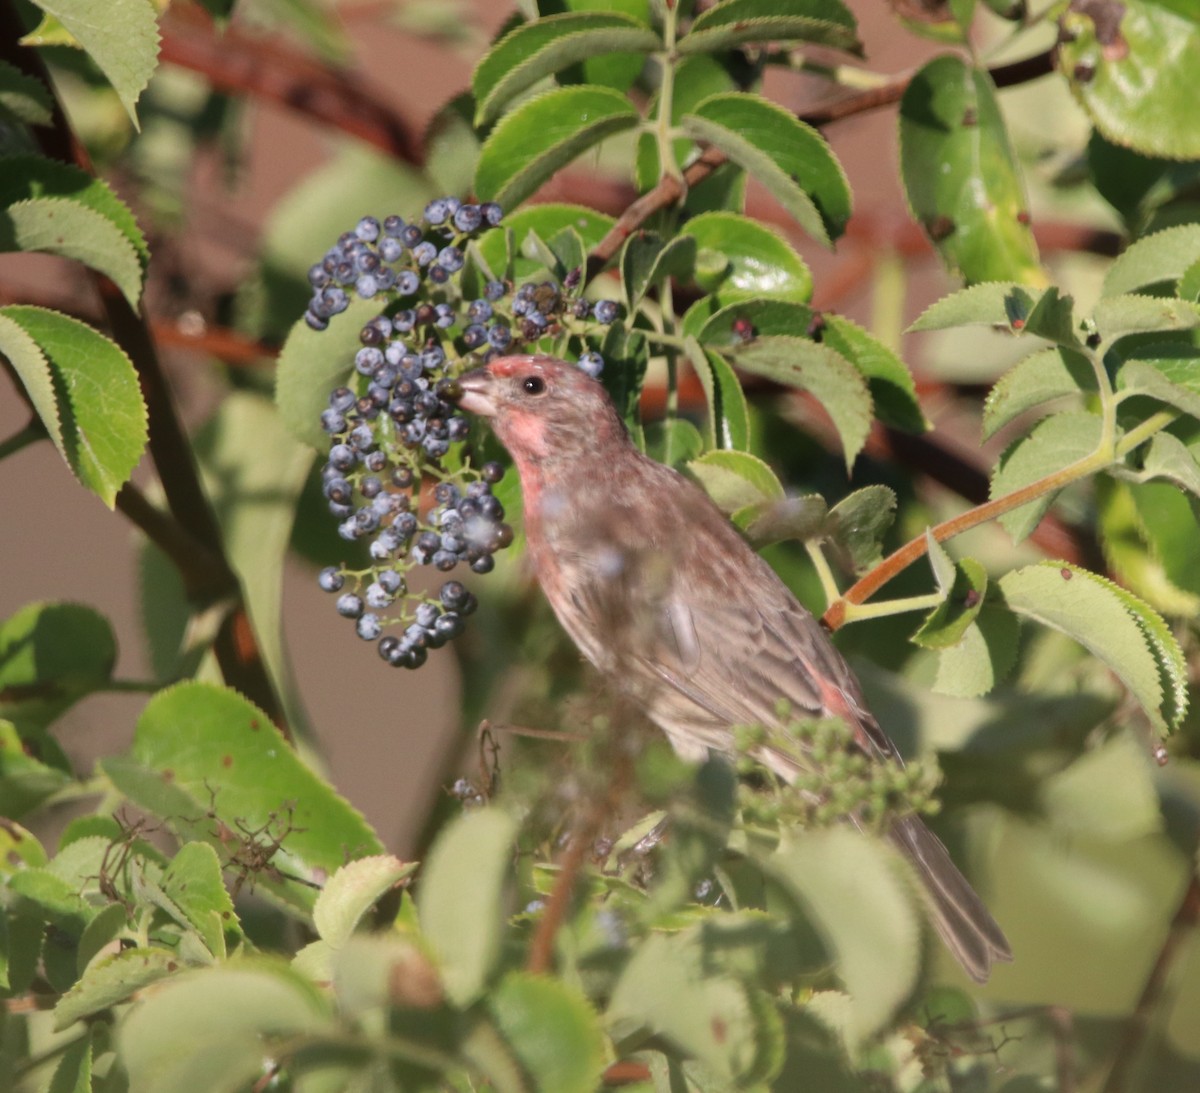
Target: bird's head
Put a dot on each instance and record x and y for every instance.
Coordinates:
(543, 410)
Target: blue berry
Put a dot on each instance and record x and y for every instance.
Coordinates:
(439, 275)
(411, 236)
(407, 283)
(367, 360)
(483, 565)
(349, 606)
(362, 438)
(341, 399)
(393, 226)
(424, 253)
(343, 457)
(592, 363)
(315, 322)
(338, 490)
(499, 337)
(493, 290)
(390, 581)
(448, 626)
(370, 486)
(437, 211)
(605, 311)
(333, 422)
(492, 213)
(330, 579)
(450, 258)
(492, 472)
(367, 229)
(389, 647)
(390, 249)
(377, 596)
(469, 218)
(369, 627)
(426, 615)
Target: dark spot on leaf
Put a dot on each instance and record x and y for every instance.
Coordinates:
(1093, 339)
(971, 598)
(1084, 72)
(1160, 756)
(168, 775)
(743, 329)
(226, 761)
(1018, 324)
(719, 1030)
(1066, 573)
(816, 327)
(1023, 217)
(254, 726)
(171, 965)
(939, 227)
(970, 117)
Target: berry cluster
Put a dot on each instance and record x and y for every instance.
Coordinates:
(395, 424)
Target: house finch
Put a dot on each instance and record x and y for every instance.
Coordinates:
(663, 595)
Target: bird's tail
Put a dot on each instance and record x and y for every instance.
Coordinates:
(959, 916)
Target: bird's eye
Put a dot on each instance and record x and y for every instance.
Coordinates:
(533, 385)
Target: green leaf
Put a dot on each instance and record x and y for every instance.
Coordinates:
(740, 259)
(1171, 375)
(647, 259)
(673, 441)
(1054, 443)
(69, 228)
(547, 221)
(1162, 257)
(546, 133)
(946, 625)
(824, 373)
(25, 782)
(961, 177)
(735, 22)
(667, 989)
(1036, 379)
(766, 522)
(74, 1071)
(352, 891)
(857, 524)
(791, 159)
(1116, 316)
(983, 656)
(24, 98)
(1112, 624)
(852, 888)
(1151, 542)
(1141, 188)
(735, 479)
(51, 655)
(552, 1030)
(1053, 318)
(995, 303)
(312, 363)
(85, 391)
(452, 146)
(1189, 284)
(193, 883)
(532, 51)
(893, 392)
(113, 979)
(1167, 457)
(728, 418)
(28, 177)
(460, 899)
(226, 756)
(207, 1029)
(1129, 65)
(255, 501)
(121, 36)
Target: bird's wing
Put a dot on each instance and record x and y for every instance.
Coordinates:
(731, 653)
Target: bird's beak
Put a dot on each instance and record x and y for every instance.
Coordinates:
(478, 392)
